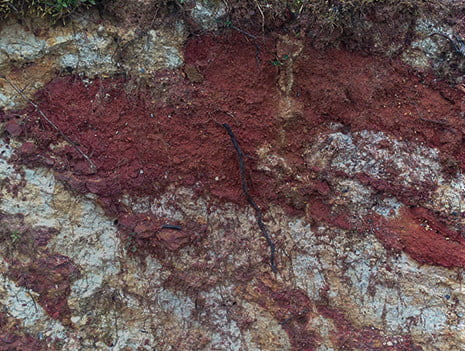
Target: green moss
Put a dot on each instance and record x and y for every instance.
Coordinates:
(49, 8)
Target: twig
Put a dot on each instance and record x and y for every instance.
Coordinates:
(441, 123)
(171, 226)
(247, 34)
(33, 300)
(245, 190)
(243, 32)
(263, 16)
(53, 125)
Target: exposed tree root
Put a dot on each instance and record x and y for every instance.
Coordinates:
(250, 200)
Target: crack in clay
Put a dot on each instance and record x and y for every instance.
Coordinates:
(250, 200)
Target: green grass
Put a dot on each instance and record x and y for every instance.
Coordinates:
(15, 236)
(42, 8)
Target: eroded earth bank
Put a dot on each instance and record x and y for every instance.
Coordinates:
(123, 219)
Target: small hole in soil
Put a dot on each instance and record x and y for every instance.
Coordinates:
(115, 222)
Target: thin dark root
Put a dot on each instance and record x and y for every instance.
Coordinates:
(250, 200)
(171, 226)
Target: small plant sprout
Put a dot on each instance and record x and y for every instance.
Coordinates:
(15, 236)
(280, 61)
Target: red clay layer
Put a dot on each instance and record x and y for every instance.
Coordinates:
(295, 312)
(169, 133)
(292, 308)
(157, 235)
(349, 337)
(420, 234)
(34, 267)
(50, 276)
(12, 338)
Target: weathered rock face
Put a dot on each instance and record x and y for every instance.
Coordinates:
(354, 165)
(87, 46)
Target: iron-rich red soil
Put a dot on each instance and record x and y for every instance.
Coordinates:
(168, 132)
(34, 267)
(11, 337)
(294, 311)
(420, 234)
